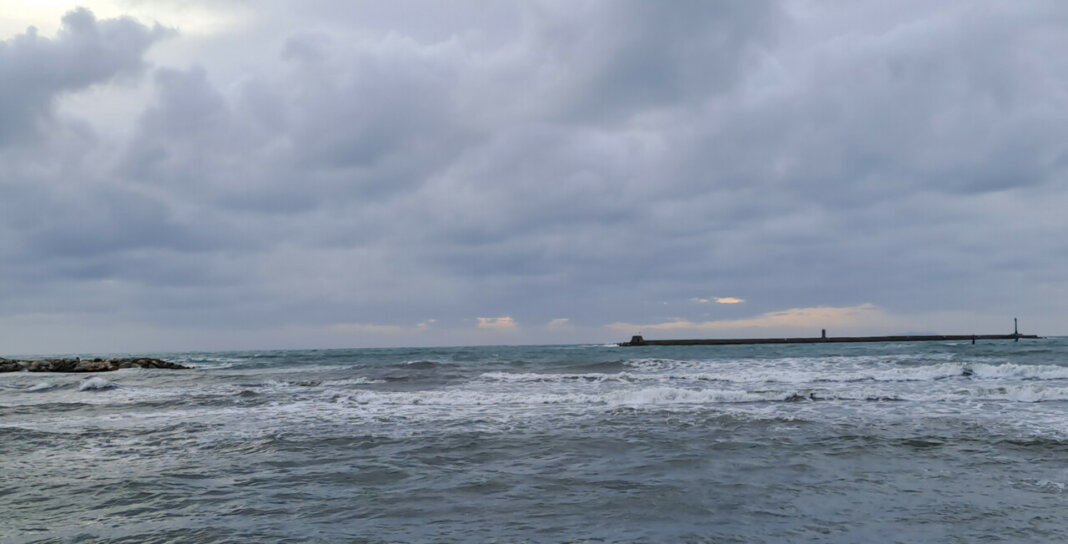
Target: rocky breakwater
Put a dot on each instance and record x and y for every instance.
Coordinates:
(78, 364)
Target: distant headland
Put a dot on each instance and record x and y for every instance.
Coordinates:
(77, 364)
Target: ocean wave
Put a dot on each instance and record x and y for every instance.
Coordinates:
(425, 364)
(534, 377)
(1046, 486)
(362, 380)
(656, 395)
(832, 370)
(669, 395)
(96, 383)
(1018, 393)
(1012, 370)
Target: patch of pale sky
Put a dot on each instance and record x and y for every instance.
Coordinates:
(838, 321)
(560, 323)
(189, 18)
(854, 317)
(505, 323)
(718, 300)
(113, 109)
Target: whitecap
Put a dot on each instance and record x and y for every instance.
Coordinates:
(1027, 372)
(532, 377)
(96, 384)
(1030, 393)
(43, 386)
(362, 380)
(675, 396)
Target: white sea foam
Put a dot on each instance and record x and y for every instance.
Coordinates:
(96, 383)
(1050, 486)
(42, 386)
(806, 370)
(1019, 393)
(535, 377)
(362, 380)
(676, 396)
(655, 395)
(806, 388)
(1011, 370)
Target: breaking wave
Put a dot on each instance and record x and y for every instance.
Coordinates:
(96, 384)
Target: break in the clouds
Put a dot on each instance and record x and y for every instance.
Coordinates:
(35, 70)
(505, 323)
(204, 175)
(863, 315)
(718, 300)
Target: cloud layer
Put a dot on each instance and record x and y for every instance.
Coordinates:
(384, 175)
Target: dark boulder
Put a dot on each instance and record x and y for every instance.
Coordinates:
(96, 365)
(86, 365)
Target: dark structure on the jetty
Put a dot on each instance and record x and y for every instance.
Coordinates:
(638, 340)
(78, 364)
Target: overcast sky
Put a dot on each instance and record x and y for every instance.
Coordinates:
(249, 175)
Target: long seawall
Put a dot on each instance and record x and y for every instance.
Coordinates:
(640, 341)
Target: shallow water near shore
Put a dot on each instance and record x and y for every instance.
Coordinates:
(933, 441)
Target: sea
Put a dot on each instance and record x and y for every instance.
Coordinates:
(879, 442)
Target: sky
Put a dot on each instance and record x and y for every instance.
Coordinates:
(209, 175)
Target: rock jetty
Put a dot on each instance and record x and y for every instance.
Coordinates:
(78, 364)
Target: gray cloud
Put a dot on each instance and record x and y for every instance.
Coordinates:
(345, 168)
(85, 52)
(621, 59)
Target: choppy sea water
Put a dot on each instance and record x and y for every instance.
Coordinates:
(908, 442)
